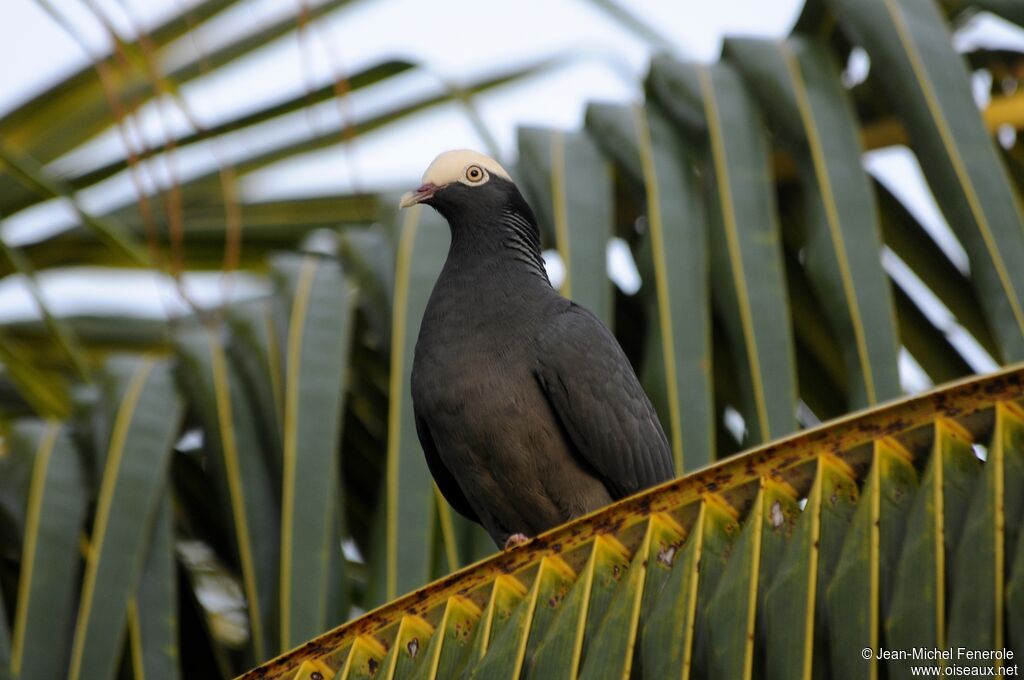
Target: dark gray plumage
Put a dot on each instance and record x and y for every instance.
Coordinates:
(528, 411)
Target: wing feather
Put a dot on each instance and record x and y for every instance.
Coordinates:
(443, 477)
(592, 387)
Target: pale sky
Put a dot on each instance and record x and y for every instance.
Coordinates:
(456, 40)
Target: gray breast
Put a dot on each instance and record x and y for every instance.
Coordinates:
(496, 432)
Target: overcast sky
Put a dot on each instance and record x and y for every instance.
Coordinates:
(452, 39)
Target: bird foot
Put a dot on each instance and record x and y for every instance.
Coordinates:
(516, 539)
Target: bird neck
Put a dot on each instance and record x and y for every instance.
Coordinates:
(493, 278)
(508, 242)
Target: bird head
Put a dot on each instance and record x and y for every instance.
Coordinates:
(461, 179)
(487, 215)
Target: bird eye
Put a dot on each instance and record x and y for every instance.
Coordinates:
(474, 173)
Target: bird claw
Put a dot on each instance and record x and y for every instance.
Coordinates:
(515, 539)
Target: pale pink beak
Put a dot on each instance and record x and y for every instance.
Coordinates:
(411, 198)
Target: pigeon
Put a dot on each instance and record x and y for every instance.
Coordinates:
(528, 411)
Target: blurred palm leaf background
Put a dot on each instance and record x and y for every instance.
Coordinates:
(192, 490)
